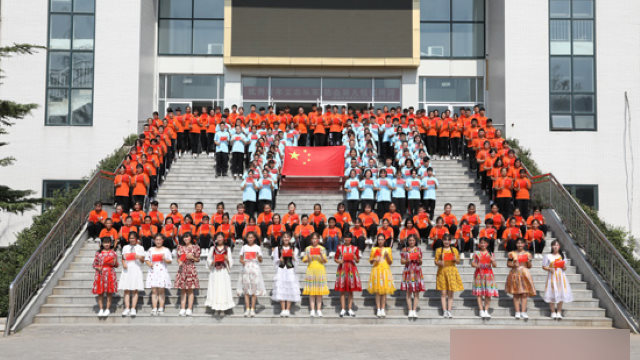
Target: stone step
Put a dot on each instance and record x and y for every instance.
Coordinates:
(333, 309)
(207, 318)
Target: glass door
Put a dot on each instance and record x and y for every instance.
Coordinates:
(174, 105)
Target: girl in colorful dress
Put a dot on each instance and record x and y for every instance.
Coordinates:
(557, 290)
(484, 284)
(250, 282)
(104, 282)
(219, 261)
(315, 281)
(347, 276)
(187, 277)
(519, 281)
(381, 279)
(286, 288)
(131, 277)
(412, 278)
(447, 278)
(158, 278)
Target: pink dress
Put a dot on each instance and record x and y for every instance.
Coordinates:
(187, 277)
(104, 282)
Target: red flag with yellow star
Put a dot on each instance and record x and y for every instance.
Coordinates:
(323, 161)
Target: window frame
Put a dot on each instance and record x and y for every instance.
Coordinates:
(451, 23)
(424, 101)
(165, 100)
(572, 188)
(68, 185)
(571, 56)
(192, 19)
(69, 88)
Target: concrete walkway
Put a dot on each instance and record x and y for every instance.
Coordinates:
(233, 342)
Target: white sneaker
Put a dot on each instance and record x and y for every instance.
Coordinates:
(382, 313)
(106, 313)
(246, 313)
(160, 311)
(287, 313)
(282, 313)
(461, 256)
(518, 316)
(410, 315)
(368, 241)
(312, 313)
(125, 313)
(154, 312)
(252, 313)
(378, 313)
(174, 253)
(188, 312)
(487, 315)
(450, 315)
(319, 313)
(133, 313)
(182, 312)
(481, 314)
(342, 313)
(266, 241)
(100, 313)
(352, 313)
(524, 315)
(553, 315)
(445, 314)
(558, 316)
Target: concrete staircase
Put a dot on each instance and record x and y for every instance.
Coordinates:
(192, 180)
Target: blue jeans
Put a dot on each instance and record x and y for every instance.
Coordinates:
(332, 244)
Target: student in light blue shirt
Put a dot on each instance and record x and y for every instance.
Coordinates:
(366, 187)
(265, 193)
(221, 140)
(352, 188)
(430, 185)
(413, 186)
(238, 142)
(383, 186)
(399, 194)
(248, 187)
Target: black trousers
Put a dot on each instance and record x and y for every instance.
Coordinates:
(401, 205)
(138, 199)
(237, 167)
(443, 145)
(94, 229)
(319, 139)
(182, 142)
(365, 202)
(465, 246)
(430, 206)
(335, 138)
(319, 228)
(146, 242)
(211, 145)
(124, 201)
(382, 207)
(414, 204)
(538, 246)
(250, 208)
(302, 141)
(262, 203)
(194, 141)
(203, 141)
(222, 163)
(204, 241)
(359, 242)
(455, 146)
(372, 230)
(504, 206)
(523, 205)
(432, 145)
(352, 208)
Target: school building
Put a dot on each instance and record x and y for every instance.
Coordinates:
(561, 76)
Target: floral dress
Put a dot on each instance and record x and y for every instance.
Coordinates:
(412, 278)
(347, 276)
(448, 277)
(104, 280)
(187, 277)
(519, 281)
(381, 279)
(250, 281)
(484, 283)
(315, 280)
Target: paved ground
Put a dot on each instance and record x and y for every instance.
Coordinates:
(233, 342)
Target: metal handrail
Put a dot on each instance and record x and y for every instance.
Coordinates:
(29, 280)
(622, 279)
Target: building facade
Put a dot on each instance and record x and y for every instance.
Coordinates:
(549, 72)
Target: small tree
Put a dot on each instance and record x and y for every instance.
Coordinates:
(14, 201)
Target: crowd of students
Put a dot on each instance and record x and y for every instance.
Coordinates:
(387, 205)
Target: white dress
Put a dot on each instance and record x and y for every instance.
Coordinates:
(131, 277)
(219, 293)
(158, 275)
(286, 286)
(557, 288)
(250, 281)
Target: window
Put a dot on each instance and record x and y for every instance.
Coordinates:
(452, 28)
(572, 87)
(193, 90)
(51, 188)
(587, 194)
(191, 27)
(450, 92)
(70, 63)
(265, 91)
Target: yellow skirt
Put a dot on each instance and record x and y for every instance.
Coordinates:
(448, 278)
(381, 281)
(315, 280)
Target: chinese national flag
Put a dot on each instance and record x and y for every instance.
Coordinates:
(323, 161)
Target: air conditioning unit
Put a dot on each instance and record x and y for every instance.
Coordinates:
(214, 48)
(435, 51)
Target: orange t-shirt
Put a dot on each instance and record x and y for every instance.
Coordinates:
(438, 233)
(388, 232)
(369, 219)
(329, 232)
(394, 218)
(140, 188)
(342, 218)
(123, 188)
(96, 217)
(421, 220)
(112, 233)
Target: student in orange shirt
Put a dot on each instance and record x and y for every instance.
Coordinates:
(175, 215)
(343, 218)
(108, 230)
(537, 215)
(522, 187)
(437, 233)
(301, 121)
(423, 223)
(490, 234)
(204, 234)
(122, 183)
(499, 221)
(395, 220)
(444, 133)
(97, 218)
(511, 235)
(318, 122)
(318, 219)
(465, 238)
(473, 219)
(265, 219)
(303, 232)
(123, 234)
(456, 126)
(503, 186)
(157, 218)
(140, 183)
(186, 227)
(332, 236)
(118, 217)
(169, 233)
(239, 220)
(370, 222)
(226, 230)
(137, 215)
(387, 231)
(251, 227)
(147, 232)
(359, 234)
(275, 231)
(450, 220)
(408, 230)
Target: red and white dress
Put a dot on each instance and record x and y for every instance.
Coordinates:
(412, 278)
(347, 276)
(104, 281)
(187, 277)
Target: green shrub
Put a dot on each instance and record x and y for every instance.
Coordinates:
(13, 258)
